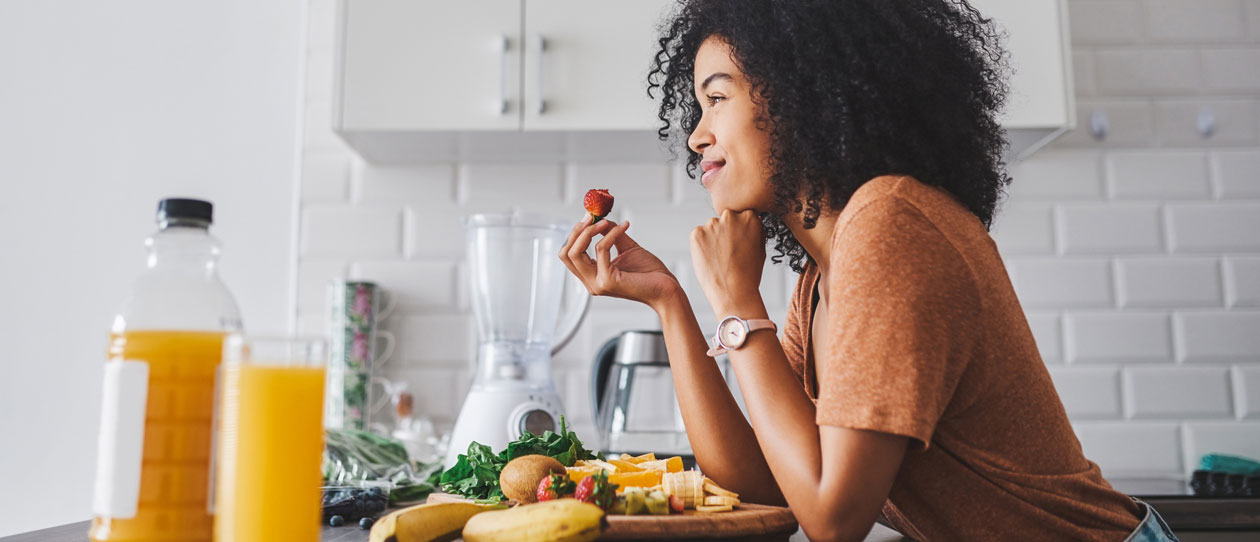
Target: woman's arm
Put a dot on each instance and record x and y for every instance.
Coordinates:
(721, 438)
(835, 479)
(723, 442)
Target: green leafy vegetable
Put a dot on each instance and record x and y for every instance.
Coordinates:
(352, 458)
(475, 475)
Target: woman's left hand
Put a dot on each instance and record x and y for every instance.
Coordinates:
(728, 254)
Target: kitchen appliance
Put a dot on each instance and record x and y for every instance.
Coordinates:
(632, 390)
(527, 307)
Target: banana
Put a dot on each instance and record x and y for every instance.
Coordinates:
(687, 485)
(717, 490)
(696, 490)
(718, 500)
(561, 520)
(434, 522)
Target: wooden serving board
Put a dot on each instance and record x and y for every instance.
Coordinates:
(750, 521)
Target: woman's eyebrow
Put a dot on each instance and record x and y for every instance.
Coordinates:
(719, 75)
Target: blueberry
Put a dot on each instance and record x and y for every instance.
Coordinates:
(336, 521)
(366, 523)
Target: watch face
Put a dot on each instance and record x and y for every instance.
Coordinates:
(732, 333)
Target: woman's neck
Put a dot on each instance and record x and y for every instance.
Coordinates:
(816, 241)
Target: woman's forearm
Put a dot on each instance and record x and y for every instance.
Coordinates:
(833, 500)
(722, 440)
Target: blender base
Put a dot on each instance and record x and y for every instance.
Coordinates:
(497, 415)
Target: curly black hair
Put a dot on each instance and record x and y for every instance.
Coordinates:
(850, 90)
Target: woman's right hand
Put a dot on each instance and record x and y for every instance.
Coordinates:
(635, 273)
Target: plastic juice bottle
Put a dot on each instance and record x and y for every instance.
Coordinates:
(166, 343)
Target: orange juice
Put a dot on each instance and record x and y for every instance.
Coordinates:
(175, 464)
(270, 444)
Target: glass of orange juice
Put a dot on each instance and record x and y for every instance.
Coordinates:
(269, 440)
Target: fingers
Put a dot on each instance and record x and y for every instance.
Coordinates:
(573, 233)
(603, 248)
(568, 243)
(621, 239)
(579, 261)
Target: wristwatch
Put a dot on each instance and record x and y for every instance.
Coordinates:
(732, 331)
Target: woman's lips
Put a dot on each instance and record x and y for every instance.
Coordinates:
(710, 169)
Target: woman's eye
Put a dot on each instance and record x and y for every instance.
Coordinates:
(713, 100)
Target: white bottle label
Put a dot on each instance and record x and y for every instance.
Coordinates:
(120, 447)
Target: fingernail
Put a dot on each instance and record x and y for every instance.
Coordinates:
(586, 217)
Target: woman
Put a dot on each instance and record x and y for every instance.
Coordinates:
(860, 136)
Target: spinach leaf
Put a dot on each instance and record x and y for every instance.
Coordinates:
(475, 475)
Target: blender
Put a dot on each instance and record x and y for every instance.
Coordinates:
(527, 307)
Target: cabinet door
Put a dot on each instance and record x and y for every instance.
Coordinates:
(428, 65)
(1041, 87)
(586, 63)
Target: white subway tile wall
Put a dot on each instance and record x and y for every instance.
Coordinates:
(1137, 255)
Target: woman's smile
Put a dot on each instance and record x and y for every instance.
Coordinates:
(711, 169)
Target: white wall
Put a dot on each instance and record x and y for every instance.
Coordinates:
(105, 107)
(1137, 257)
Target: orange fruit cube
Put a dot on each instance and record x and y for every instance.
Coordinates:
(625, 466)
(647, 478)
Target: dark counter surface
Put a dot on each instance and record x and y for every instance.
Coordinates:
(77, 532)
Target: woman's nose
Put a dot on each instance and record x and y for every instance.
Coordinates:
(701, 137)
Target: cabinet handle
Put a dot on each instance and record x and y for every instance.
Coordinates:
(501, 45)
(542, 46)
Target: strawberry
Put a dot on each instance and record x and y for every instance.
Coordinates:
(554, 486)
(596, 490)
(676, 503)
(598, 202)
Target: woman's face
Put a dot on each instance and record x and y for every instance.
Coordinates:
(736, 153)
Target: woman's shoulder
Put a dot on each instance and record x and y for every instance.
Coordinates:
(905, 205)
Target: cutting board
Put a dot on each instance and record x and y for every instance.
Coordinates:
(747, 521)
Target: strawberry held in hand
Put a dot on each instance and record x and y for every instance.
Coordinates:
(554, 486)
(598, 202)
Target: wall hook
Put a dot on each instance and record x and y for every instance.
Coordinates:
(1206, 123)
(1099, 125)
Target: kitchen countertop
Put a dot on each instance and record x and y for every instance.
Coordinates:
(1193, 518)
(77, 532)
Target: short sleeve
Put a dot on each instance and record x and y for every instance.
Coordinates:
(902, 313)
(795, 327)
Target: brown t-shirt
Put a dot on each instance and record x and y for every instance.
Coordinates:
(927, 340)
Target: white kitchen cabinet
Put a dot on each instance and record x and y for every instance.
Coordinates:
(1042, 102)
(586, 64)
(566, 79)
(473, 65)
(423, 65)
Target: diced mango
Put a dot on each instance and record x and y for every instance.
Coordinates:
(647, 478)
(639, 459)
(673, 464)
(602, 464)
(625, 466)
(578, 473)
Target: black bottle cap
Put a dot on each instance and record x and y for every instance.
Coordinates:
(173, 209)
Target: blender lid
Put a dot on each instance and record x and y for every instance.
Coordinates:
(514, 219)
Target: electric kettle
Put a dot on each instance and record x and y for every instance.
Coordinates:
(632, 391)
